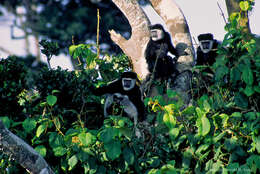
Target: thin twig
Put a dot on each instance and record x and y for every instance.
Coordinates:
(222, 14)
(98, 19)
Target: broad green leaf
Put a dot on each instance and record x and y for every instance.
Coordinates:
(72, 162)
(41, 150)
(121, 123)
(72, 49)
(29, 124)
(87, 138)
(128, 155)
(241, 100)
(174, 133)
(205, 125)
(108, 134)
(257, 143)
(257, 89)
(59, 151)
(244, 5)
(247, 76)
(218, 137)
(51, 100)
(171, 93)
(200, 113)
(6, 121)
(233, 166)
(169, 120)
(113, 149)
(207, 106)
(235, 75)
(249, 91)
(236, 114)
(40, 130)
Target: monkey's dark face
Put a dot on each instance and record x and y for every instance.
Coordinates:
(157, 34)
(206, 45)
(128, 83)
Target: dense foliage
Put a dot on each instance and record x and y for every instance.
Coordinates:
(63, 120)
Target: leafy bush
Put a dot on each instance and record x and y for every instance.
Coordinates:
(12, 83)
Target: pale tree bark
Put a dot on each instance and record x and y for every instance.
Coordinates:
(134, 47)
(233, 7)
(179, 30)
(22, 153)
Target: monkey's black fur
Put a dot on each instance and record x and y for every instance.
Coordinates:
(133, 94)
(210, 57)
(158, 49)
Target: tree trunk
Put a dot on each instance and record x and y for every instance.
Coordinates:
(21, 152)
(233, 7)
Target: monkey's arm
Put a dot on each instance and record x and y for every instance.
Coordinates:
(111, 88)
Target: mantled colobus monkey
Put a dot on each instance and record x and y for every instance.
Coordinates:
(158, 48)
(207, 50)
(126, 93)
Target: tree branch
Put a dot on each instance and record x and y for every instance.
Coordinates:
(134, 47)
(21, 152)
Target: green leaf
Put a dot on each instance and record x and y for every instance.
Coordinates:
(6, 121)
(29, 124)
(51, 100)
(224, 118)
(108, 134)
(113, 149)
(72, 162)
(174, 133)
(257, 143)
(241, 100)
(235, 75)
(87, 138)
(244, 5)
(128, 155)
(207, 106)
(171, 93)
(40, 130)
(168, 118)
(233, 166)
(41, 150)
(205, 125)
(247, 75)
(72, 49)
(249, 91)
(59, 151)
(257, 89)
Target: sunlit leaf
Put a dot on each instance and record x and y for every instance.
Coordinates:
(72, 162)
(51, 100)
(244, 5)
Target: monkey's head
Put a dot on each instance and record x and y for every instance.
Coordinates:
(128, 80)
(206, 42)
(157, 32)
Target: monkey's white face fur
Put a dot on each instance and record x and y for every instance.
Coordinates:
(206, 45)
(157, 34)
(128, 83)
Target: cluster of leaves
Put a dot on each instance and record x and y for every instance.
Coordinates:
(12, 83)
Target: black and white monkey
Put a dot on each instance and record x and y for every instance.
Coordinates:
(158, 48)
(207, 49)
(126, 93)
